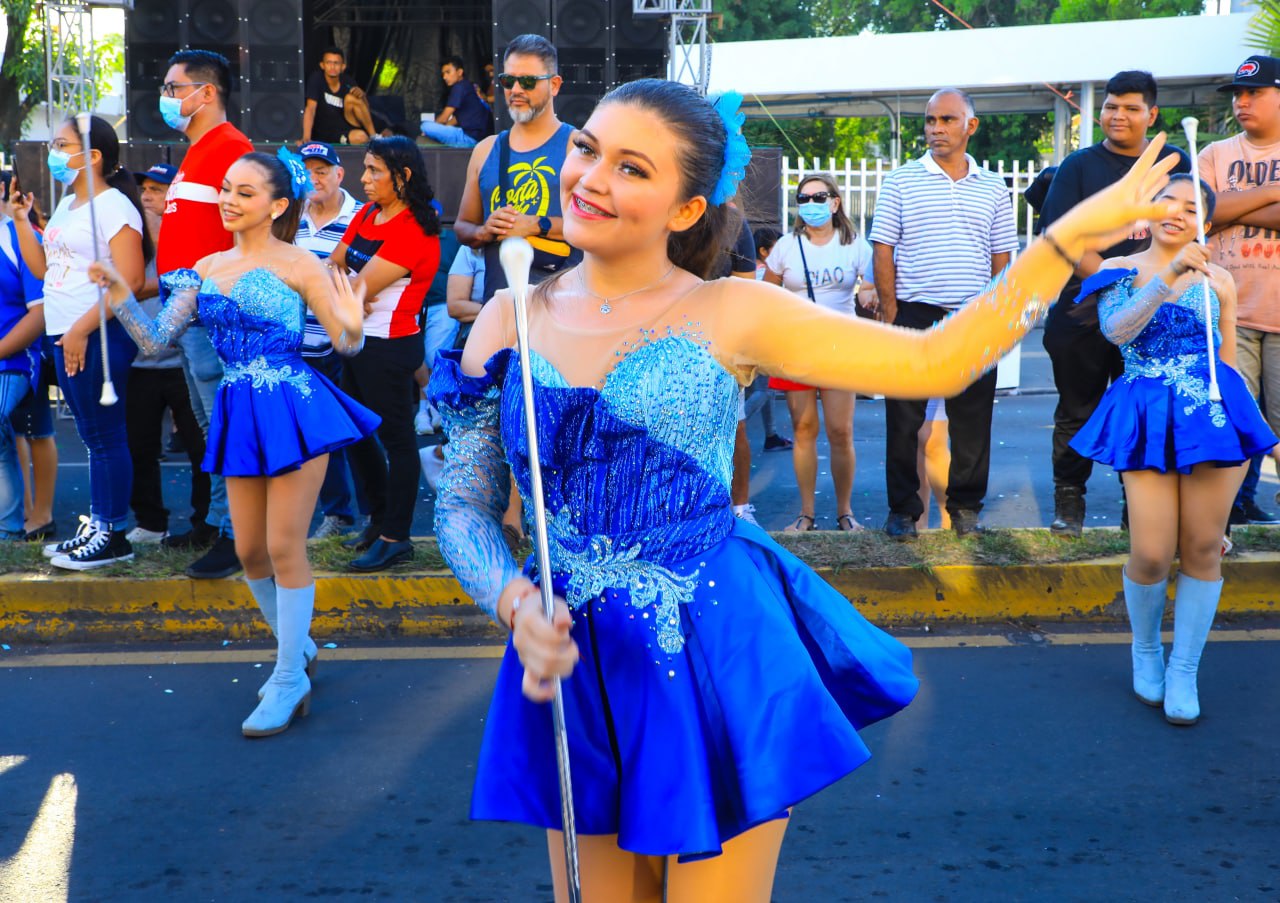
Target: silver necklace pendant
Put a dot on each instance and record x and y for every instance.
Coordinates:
(605, 308)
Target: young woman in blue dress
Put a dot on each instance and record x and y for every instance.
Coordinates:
(1181, 454)
(276, 419)
(711, 680)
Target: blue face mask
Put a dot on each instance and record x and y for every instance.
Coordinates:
(171, 113)
(815, 214)
(59, 169)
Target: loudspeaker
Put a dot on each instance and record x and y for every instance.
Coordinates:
(261, 39)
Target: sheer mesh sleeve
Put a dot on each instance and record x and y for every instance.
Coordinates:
(474, 487)
(181, 288)
(1124, 313)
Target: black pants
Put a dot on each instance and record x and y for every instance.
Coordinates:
(150, 392)
(969, 416)
(1084, 364)
(380, 377)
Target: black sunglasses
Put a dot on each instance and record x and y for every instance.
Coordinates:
(820, 196)
(528, 82)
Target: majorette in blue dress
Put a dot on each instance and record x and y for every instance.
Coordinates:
(272, 411)
(721, 680)
(1158, 415)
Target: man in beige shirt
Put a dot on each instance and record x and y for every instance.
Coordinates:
(1245, 239)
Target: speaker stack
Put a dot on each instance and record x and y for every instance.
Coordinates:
(599, 42)
(261, 39)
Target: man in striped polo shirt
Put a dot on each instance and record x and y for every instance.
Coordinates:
(943, 227)
(329, 210)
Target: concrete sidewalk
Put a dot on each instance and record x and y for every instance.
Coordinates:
(432, 605)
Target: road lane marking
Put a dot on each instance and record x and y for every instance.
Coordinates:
(428, 653)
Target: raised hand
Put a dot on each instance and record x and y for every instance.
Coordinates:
(1102, 219)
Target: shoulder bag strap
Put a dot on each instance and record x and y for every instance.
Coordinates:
(808, 283)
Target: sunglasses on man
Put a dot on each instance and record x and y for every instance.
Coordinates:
(820, 197)
(528, 82)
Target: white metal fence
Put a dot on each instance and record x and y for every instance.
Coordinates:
(860, 182)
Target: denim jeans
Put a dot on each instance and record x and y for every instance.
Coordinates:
(335, 492)
(450, 135)
(14, 386)
(441, 329)
(102, 427)
(203, 370)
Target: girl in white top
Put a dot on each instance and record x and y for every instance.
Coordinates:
(823, 260)
(71, 320)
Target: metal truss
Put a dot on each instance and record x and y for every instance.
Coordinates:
(68, 54)
(689, 54)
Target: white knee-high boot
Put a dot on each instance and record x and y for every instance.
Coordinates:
(1194, 605)
(287, 692)
(264, 593)
(1145, 604)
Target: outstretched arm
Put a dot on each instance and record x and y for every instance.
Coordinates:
(151, 334)
(760, 326)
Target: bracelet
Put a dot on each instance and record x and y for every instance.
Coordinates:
(1058, 249)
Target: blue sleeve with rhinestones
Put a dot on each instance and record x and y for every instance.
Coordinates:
(1124, 313)
(474, 486)
(155, 334)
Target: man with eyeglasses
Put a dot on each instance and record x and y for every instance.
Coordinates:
(943, 227)
(513, 179)
(193, 100)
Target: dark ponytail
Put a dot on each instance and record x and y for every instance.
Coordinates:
(700, 146)
(280, 182)
(102, 138)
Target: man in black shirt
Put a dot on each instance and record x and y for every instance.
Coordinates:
(337, 112)
(465, 118)
(1084, 362)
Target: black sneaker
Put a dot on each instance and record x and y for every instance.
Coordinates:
(774, 442)
(200, 537)
(965, 523)
(84, 533)
(1068, 509)
(220, 561)
(104, 547)
(1256, 515)
(900, 527)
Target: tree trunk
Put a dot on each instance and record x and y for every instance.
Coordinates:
(13, 109)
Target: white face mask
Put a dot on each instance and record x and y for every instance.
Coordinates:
(171, 113)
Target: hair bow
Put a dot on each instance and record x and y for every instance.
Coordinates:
(736, 153)
(299, 178)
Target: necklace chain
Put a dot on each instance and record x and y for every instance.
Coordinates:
(606, 303)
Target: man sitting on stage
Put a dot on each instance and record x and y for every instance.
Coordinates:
(337, 111)
(465, 118)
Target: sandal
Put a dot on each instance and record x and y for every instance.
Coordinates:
(849, 524)
(797, 525)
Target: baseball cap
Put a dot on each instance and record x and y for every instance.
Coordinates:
(1257, 71)
(320, 151)
(160, 172)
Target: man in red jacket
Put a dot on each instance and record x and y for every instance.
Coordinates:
(193, 100)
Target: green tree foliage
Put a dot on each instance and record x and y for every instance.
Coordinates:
(1014, 136)
(22, 73)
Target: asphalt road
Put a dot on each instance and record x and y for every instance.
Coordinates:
(1024, 771)
(1020, 493)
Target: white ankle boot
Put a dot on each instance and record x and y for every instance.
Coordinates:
(1145, 604)
(287, 693)
(264, 593)
(1194, 605)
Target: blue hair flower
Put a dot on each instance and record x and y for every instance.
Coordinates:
(736, 153)
(299, 178)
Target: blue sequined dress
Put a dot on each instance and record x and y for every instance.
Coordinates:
(272, 411)
(721, 680)
(1158, 415)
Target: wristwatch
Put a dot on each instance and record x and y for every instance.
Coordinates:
(544, 226)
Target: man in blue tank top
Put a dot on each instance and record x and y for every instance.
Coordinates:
(513, 179)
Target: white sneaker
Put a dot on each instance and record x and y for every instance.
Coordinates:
(142, 534)
(432, 465)
(747, 513)
(422, 422)
(333, 525)
(84, 533)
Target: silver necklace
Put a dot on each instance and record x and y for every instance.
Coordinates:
(606, 305)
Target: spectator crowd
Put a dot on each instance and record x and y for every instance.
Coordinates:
(943, 227)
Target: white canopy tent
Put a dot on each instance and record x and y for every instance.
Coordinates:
(1006, 70)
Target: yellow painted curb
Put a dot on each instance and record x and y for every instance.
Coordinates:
(76, 608)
